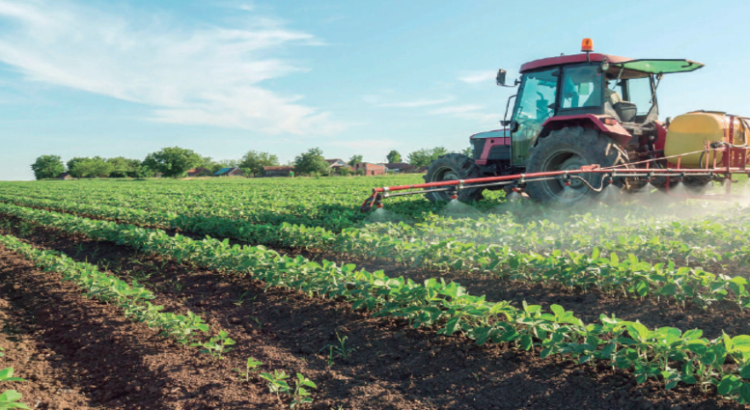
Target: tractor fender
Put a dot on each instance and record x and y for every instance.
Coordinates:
(614, 131)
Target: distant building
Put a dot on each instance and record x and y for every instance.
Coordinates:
(400, 167)
(229, 172)
(277, 171)
(198, 172)
(370, 169)
(65, 175)
(337, 164)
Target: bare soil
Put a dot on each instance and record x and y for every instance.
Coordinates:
(390, 367)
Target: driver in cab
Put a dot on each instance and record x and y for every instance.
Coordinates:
(610, 95)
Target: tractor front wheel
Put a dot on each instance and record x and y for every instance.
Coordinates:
(449, 168)
(570, 149)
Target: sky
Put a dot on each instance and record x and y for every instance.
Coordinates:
(126, 78)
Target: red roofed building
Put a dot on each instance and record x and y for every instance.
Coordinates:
(370, 169)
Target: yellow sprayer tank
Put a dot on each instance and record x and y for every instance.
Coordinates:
(689, 132)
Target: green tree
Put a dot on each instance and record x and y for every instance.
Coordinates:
(311, 162)
(173, 161)
(355, 159)
(425, 156)
(394, 156)
(252, 162)
(96, 167)
(142, 171)
(467, 151)
(72, 165)
(123, 167)
(47, 166)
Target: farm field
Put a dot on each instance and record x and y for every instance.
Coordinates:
(155, 294)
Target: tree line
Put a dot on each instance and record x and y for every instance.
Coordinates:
(176, 162)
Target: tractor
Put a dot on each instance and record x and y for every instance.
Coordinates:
(581, 122)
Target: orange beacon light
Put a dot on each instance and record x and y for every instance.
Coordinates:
(587, 45)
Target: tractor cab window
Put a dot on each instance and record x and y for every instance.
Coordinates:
(581, 87)
(639, 93)
(535, 104)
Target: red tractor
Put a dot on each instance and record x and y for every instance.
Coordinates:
(580, 122)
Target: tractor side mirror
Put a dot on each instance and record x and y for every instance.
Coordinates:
(510, 124)
(500, 79)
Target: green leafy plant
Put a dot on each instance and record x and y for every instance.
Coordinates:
(251, 366)
(9, 399)
(217, 346)
(277, 382)
(340, 350)
(301, 395)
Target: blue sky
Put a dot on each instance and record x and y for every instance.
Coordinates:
(95, 77)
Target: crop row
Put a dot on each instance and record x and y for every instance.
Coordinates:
(698, 240)
(604, 268)
(264, 200)
(133, 299)
(666, 353)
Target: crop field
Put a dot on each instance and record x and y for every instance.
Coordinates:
(278, 293)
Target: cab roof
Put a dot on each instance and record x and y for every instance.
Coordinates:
(646, 66)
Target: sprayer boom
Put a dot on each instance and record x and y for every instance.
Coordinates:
(610, 176)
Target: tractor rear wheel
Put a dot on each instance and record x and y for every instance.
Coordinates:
(570, 149)
(449, 168)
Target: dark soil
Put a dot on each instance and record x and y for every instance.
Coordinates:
(47, 384)
(391, 366)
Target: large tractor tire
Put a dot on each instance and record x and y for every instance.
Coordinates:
(449, 168)
(570, 149)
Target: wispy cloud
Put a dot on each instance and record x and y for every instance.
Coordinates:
(478, 77)
(417, 103)
(210, 75)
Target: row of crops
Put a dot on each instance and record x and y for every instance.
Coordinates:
(623, 259)
(628, 252)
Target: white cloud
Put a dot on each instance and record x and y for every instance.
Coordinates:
(210, 75)
(478, 77)
(417, 103)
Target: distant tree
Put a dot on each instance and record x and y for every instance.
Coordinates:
(123, 167)
(355, 159)
(47, 166)
(425, 156)
(208, 163)
(72, 165)
(437, 152)
(252, 162)
(467, 151)
(173, 161)
(311, 162)
(394, 156)
(96, 167)
(142, 171)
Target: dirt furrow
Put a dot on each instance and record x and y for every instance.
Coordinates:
(389, 365)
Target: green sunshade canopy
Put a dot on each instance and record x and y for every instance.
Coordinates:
(660, 66)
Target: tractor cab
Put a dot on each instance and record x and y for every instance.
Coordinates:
(587, 89)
